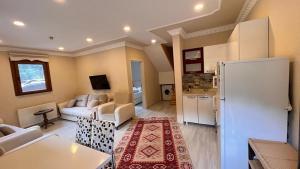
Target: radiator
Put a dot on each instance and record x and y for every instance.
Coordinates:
(27, 118)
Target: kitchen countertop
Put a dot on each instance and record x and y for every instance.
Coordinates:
(200, 92)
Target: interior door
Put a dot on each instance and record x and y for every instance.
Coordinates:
(190, 109)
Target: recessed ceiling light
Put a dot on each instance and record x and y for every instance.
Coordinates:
(61, 48)
(90, 40)
(153, 41)
(199, 7)
(19, 23)
(60, 1)
(127, 28)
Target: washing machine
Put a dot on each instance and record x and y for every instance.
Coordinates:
(167, 91)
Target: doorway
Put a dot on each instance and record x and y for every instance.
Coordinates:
(137, 85)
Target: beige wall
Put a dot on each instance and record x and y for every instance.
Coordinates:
(115, 63)
(150, 79)
(70, 77)
(207, 40)
(166, 77)
(284, 41)
(112, 62)
(62, 70)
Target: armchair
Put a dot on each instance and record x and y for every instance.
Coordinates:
(118, 113)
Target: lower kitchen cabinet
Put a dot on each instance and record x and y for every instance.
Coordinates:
(199, 109)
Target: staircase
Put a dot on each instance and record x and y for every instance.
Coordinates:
(161, 57)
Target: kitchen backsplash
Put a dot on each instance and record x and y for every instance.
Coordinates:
(197, 81)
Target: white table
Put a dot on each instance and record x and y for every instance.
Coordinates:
(54, 152)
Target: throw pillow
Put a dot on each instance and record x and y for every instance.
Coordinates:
(1, 134)
(103, 98)
(81, 101)
(6, 130)
(93, 97)
(71, 103)
(92, 103)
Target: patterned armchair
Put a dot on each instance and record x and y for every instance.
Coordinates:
(103, 138)
(83, 131)
(98, 135)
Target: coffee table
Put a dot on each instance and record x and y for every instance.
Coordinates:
(44, 113)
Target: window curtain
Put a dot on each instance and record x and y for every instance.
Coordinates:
(30, 57)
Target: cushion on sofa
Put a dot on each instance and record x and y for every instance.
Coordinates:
(103, 98)
(1, 134)
(93, 97)
(78, 111)
(5, 130)
(92, 103)
(71, 103)
(81, 101)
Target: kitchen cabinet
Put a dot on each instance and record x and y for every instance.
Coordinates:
(199, 109)
(249, 40)
(190, 109)
(193, 61)
(206, 113)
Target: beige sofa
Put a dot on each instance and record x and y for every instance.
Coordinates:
(13, 137)
(80, 107)
(112, 107)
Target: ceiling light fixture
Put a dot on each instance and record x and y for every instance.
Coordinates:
(153, 41)
(61, 48)
(19, 23)
(89, 40)
(127, 28)
(199, 7)
(60, 1)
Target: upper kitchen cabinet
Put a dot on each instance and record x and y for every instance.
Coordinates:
(249, 40)
(193, 61)
(212, 55)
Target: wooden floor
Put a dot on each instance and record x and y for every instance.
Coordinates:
(201, 140)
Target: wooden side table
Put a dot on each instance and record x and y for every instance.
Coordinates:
(44, 113)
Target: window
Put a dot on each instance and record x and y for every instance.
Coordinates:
(30, 77)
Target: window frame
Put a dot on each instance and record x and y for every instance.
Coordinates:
(17, 80)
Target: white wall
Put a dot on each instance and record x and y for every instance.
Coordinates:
(213, 54)
(166, 77)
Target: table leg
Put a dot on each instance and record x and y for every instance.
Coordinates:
(45, 121)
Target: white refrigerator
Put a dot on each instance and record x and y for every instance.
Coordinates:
(253, 103)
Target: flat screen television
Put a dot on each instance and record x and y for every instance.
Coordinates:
(99, 82)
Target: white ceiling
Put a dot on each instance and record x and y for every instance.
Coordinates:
(103, 20)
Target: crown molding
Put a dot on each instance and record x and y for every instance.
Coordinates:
(245, 11)
(184, 35)
(177, 31)
(99, 49)
(108, 47)
(210, 31)
(132, 45)
(36, 51)
(72, 54)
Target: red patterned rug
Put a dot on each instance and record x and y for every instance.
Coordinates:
(154, 143)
